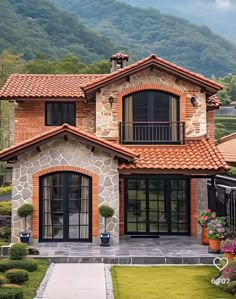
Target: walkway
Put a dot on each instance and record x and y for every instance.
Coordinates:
(76, 281)
(163, 250)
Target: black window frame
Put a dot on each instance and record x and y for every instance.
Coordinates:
(59, 123)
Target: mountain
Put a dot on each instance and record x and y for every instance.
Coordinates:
(31, 26)
(219, 15)
(146, 31)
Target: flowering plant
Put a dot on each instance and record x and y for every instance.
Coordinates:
(216, 228)
(228, 245)
(205, 217)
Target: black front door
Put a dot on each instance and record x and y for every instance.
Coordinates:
(65, 207)
(157, 206)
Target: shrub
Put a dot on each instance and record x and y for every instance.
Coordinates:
(26, 264)
(5, 233)
(25, 210)
(106, 212)
(5, 208)
(2, 279)
(18, 251)
(11, 292)
(6, 189)
(17, 275)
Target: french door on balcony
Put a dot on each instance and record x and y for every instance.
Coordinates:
(156, 206)
(150, 117)
(65, 207)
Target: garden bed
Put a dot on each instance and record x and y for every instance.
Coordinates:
(175, 282)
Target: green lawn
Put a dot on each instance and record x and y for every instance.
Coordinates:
(166, 282)
(30, 287)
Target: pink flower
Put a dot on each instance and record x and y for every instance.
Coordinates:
(195, 215)
(204, 218)
(208, 210)
(213, 215)
(210, 232)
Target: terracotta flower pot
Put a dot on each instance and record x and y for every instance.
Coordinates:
(214, 244)
(205, 239)
(229, 255)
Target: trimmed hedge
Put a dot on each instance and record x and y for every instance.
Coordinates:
(25, 264)
(11, 292)
(5, 208)
(17, 275)
(18, 251)
(4, 190)
(2, 280)
(5, 233)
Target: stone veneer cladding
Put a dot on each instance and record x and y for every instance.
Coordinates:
(66, 153)
(107, 117)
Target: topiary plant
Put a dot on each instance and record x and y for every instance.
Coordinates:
(2, 280)
(17, 275)
(5, 208)
(106, 212)
(10, 291)
(26, 264)
(25, 210)
(18, 251)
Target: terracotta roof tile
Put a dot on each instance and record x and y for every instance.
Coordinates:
(27, 144)
(213, 102)
(195, 155)
(64, 86)
(120, 56)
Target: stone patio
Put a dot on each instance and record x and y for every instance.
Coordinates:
(163, 250)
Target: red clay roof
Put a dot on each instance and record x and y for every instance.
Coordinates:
(213, 102)
(19, 148)
(195, 155)
(227, 147)
(48, 86)
(159, 62)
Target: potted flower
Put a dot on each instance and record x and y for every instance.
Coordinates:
(24, 211)
(216, 232)
(106, 212)
(229, 248)
(203, 219)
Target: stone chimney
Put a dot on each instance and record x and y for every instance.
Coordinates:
(119, 61)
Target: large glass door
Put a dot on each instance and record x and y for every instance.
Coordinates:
(65, 207)
(157, 206)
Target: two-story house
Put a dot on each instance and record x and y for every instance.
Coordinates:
(139, 139)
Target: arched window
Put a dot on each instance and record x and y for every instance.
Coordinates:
(151, 116)
(65, 207)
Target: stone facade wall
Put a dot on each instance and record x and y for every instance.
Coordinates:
(202, 197)
(106, 115)
(66, 153)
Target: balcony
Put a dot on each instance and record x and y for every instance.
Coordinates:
(152, 133)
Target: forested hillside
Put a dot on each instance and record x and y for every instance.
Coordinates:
(33, 26)
(219, 15)
(146, 31)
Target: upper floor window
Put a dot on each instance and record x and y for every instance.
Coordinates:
(151, 117)
(58, 113)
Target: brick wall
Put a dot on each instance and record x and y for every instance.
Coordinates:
(30, 119)
(211, 124)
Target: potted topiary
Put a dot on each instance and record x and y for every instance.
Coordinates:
(229, 248)
(24, 211)
(106, 212)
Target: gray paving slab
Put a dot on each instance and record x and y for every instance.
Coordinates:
(76, 281)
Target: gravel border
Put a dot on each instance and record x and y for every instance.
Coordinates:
(108, 281)
(43, 284)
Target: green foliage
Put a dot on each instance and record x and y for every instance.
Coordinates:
(232, 171)
(146, 31)
(2, 280)
(31, 27)
(11, 292)
(17, 275)
(106, 211)
(18, 251)
(25, 210)
(224, 126)
(26, 264)
(6, 189)
(5, 208)
(5, 233)
(228, 94)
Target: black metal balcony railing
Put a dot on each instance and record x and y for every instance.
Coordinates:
(152, 132)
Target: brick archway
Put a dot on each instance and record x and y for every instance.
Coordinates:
(159, 87)
(35, 199)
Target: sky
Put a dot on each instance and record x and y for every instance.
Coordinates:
(219, 15)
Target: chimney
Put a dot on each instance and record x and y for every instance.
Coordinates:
(118, 61)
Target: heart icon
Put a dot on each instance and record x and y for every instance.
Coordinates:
(217, 260)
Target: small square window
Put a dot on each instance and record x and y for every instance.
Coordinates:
(58, 113)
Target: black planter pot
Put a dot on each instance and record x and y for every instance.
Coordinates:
(25, 237)
(105, 239)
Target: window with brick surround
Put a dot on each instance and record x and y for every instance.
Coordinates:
(58, 113)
